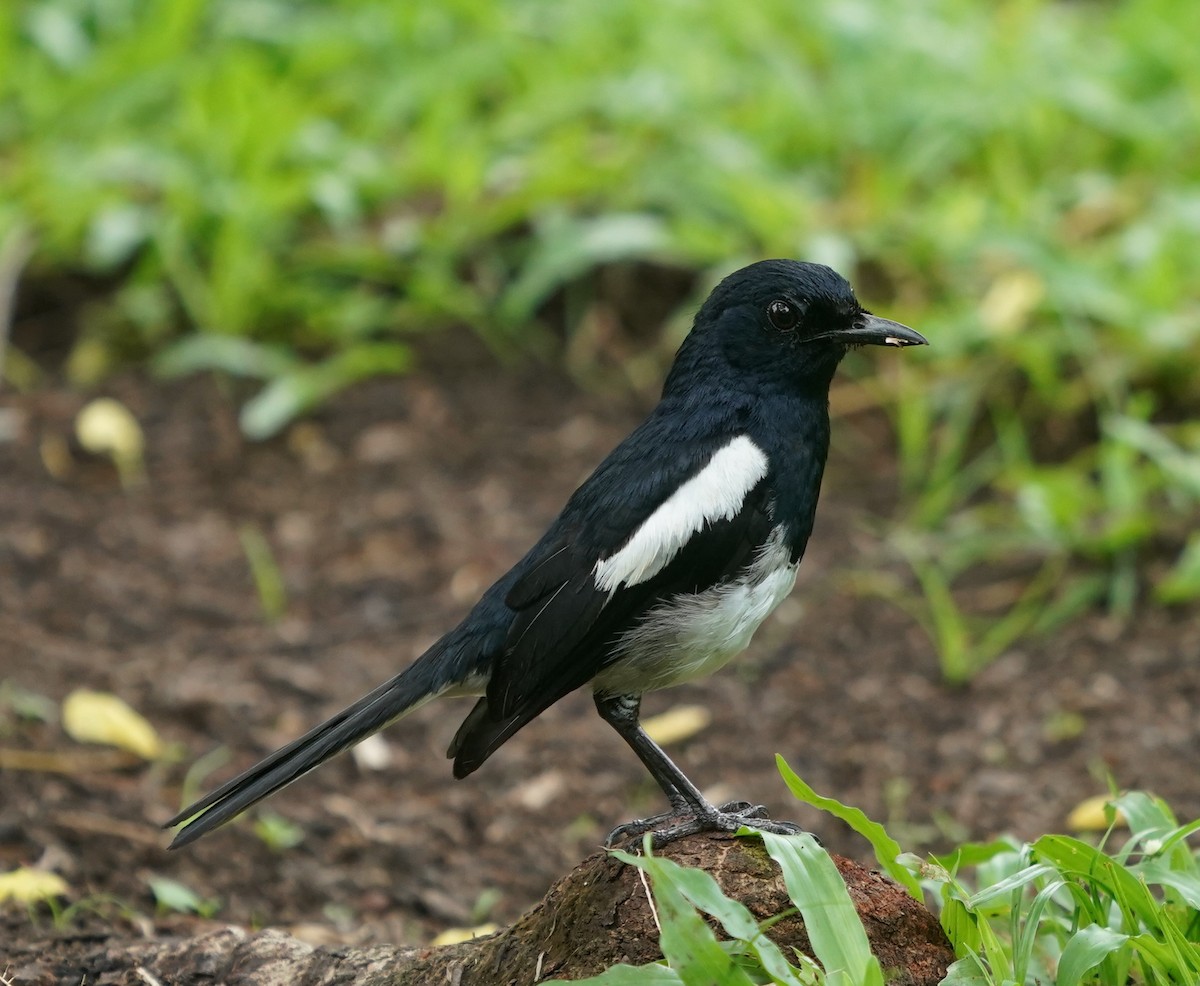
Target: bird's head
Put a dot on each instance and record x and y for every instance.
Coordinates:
(781, 325)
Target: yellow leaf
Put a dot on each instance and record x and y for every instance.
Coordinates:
(98, 717)
(106, 427)
(1088, 815)
(26, 885)
(452, 936)
(677, 724)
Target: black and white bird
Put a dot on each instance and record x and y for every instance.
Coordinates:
(662, 564)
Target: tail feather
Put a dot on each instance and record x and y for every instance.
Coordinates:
(368, 715)
(482, 734)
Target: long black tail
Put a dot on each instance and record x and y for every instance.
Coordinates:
(408, 690)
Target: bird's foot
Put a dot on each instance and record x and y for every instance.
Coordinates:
(722, 821)
(728, 818)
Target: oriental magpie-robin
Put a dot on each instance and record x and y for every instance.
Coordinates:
(662, 564)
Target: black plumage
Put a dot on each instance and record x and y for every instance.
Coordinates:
(661, 564)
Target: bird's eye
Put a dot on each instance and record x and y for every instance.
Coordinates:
(783, 314)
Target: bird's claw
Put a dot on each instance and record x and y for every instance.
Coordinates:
(628, 831)
(728, 818)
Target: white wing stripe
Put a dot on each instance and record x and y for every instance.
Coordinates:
(716, 492)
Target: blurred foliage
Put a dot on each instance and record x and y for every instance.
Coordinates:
(290, 190)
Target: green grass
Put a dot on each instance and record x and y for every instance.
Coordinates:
(694, 955)
(1060, 910)
(292, 191)
(1055, 912)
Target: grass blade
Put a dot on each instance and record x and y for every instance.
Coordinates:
(1085, 950)
(887, 849)
(834, 927)
(688, 943)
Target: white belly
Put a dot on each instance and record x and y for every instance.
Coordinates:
(692, 635)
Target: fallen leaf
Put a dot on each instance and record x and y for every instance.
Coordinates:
(29, 886)
(373, 753)
(538, 792)
(107, 427)
(100, 717)
(680, 723)
(1089, 815)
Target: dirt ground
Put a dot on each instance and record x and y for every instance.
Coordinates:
(388, 514)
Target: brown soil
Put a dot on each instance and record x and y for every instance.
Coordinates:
(387, 515)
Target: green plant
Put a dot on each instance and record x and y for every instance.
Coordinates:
(268, 579)
(105, 906)
(290, 192)
(21, 703)
(695, 955)
(171, 895)
(277, 832)
(1060, 910)
(1055, 911)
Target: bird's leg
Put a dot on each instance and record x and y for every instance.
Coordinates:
(680, 807)
(697, 814)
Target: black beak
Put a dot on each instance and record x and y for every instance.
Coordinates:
(874, 330)
(871, 330)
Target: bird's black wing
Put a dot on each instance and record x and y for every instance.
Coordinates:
(567, 618)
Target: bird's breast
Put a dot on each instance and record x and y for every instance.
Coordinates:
(693, 634)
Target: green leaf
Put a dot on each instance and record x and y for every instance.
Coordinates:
(1028, 938)
(235, 355)
(688, 943)
(816, 887)
(287, 397)
(1015, 881)
(1085, 950)
(887, 849)
(961, 925)
(1148, 818)
(25, 704)
(1075, 858)
(171, 895)
(1182, 583)
(277, 833)
(1186, 885)
(966, 972)
(268, 579)
(703, 891)
(629, 975)
(566, 248)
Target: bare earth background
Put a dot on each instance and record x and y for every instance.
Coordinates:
(388, 515)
